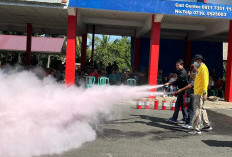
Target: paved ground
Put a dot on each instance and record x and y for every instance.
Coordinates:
(146, 133)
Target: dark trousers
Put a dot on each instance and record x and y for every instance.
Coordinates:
(190, 110)
(180, 103)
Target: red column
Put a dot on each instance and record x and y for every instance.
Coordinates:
(71, 50)
(228, 85)
(187, 54)
(83, 51)
(93, 40)
(205, 1)
(154, 52)
(136, 54)
(28, 48)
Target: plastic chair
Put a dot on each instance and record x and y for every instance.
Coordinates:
(131, 82)
(216, 92)
(212, 93)
(223, 95)
(103, 81)
(90, 80)
(159, 81)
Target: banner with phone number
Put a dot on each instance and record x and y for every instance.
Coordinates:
(158, 7)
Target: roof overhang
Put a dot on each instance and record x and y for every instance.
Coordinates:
(46, 18)
(17, 43)
(52, 19)
(172, 26)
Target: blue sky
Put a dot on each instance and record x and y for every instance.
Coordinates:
(112, 37)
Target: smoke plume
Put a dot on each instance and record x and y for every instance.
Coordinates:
(40, 117)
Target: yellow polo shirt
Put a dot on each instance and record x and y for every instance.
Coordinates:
(201, 80)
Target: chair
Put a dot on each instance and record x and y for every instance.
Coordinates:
(220, 93)
(159, 81)
(90, 80)
(212, 93)
(216, 92)
(223, 95)
(103, 81)
(131, 82)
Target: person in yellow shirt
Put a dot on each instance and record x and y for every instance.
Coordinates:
(201, 82)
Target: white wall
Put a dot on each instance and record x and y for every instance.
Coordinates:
(225, 51)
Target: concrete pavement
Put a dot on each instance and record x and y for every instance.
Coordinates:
(146, 133)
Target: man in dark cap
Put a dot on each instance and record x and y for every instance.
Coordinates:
(181, 82)
(201, 82)
(189, 90)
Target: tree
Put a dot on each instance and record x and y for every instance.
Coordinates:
(107, 51)
(103, 48)
(121, 49)
(78, 49)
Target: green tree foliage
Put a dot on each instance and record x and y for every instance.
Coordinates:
(121, 50)
(78, 49)
(103, 48)
(108, 51)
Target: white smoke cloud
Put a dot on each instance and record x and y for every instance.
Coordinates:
(40, 117)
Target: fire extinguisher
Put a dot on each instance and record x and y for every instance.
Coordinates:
(139, 104)
(156, 105)
(173, 104)
(164, 104)
(185, 101)
(147, 104)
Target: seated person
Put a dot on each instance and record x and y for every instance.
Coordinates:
(165, 80)
(125, 76)
(95, 74)
(211, 85)
(103, 72)
(219, 86)
(113, 77)
(118, 77)
(173, 79)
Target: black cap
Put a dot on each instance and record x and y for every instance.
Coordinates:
(198, 56)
